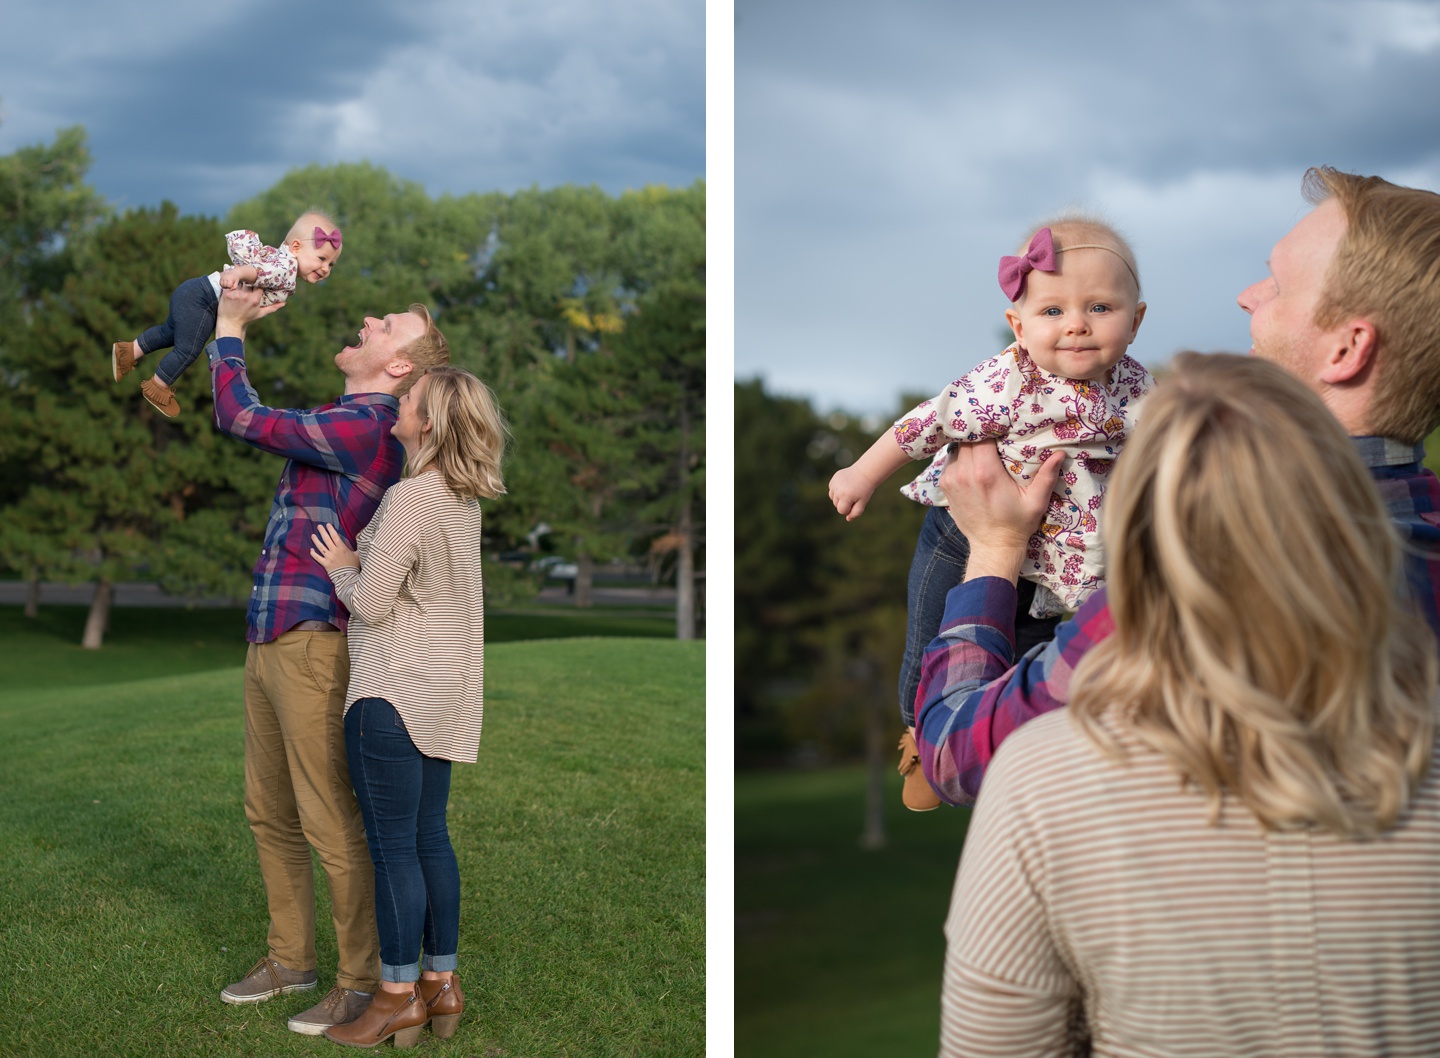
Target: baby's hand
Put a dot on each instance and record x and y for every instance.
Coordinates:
(850, 492)
(232, 278)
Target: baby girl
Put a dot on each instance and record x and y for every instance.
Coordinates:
(310, 250)
(1065, 384)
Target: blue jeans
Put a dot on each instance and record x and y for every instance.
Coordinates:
(402, 795)
(185, 331)
(939, 564)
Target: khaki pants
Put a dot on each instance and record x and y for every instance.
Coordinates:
(298, 796)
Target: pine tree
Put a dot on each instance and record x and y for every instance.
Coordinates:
(116, 489)
(46, 212)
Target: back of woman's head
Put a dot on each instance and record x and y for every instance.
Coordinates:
(466, 440)
(1253, 577)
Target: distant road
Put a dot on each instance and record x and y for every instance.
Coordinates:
(13, 593)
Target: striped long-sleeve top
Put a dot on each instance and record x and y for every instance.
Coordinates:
(970, 697)
(1093, 897)
(417, 615)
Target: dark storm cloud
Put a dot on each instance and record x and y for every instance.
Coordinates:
(885, 154)
(207, 105)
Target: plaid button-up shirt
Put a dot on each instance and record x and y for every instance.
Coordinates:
(340, 460)
(971, 697)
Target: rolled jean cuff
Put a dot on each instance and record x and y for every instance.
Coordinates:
(403, 975)
(441, 963)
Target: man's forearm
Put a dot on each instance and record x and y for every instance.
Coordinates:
(229, 327)
(229, 383)
(970, 698)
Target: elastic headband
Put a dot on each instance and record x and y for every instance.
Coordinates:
(1101, 246)
(1040, 256)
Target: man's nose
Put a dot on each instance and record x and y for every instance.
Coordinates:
(1250, 297)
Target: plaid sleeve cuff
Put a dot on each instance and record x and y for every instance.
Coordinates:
(221, 348)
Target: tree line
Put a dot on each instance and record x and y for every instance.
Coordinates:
(585, 312)
(819, 602)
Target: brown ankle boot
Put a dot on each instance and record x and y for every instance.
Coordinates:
(917, 794)
(445, 1002)
(122, 359)
(163, 402)
(398, 1014)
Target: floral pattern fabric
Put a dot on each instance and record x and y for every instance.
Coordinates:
(1030, 413)
(275, 266)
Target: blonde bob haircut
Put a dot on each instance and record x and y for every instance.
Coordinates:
(467, 435)
(1259, 643)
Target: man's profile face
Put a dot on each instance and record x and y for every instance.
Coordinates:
(380, 342)
(1282, 306)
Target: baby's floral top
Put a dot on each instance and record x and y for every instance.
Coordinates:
(275, 266)
(1030, 413)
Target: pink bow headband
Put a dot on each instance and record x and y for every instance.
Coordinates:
(333, 238)
(1040, 256)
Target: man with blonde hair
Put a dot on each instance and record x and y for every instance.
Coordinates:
(1349, 308)
(340, 459)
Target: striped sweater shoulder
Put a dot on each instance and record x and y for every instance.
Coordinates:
(1095, 892)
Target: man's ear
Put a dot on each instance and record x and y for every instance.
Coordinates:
(399, 368)
(1351, 354)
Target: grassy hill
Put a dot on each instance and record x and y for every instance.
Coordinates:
(130, 895)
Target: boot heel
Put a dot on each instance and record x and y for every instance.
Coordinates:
(407, 1038)
(444, 1025)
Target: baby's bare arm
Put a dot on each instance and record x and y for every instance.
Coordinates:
(231, 277)
(851, 488)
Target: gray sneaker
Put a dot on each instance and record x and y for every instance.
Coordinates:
(339, 1007)
(267, 980)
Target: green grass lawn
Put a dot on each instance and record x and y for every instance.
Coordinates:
(838, 950)
(45, 651)
(130, 895)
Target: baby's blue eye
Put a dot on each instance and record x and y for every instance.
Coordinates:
(1052, 311)
(1101, 308)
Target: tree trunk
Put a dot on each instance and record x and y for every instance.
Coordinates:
(584, 579)
(873, 837)
(99, 618)
(685, 578)
(685, 557)
(32, 598)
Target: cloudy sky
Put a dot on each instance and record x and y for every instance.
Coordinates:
(208, 104)
(887, 155)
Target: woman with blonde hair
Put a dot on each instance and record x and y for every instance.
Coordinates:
(414, 702)
(1230, 843)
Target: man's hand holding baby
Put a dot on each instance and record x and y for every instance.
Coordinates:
(996, 513)
(240, 306)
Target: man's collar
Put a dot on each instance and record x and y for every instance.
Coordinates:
(1387, 452)
(388, 400)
